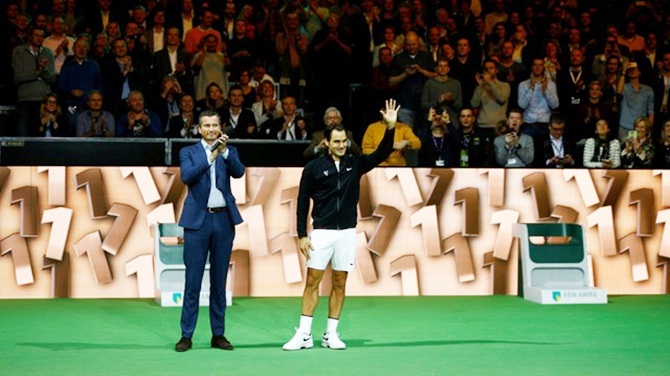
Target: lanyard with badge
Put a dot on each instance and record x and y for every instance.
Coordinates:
(439, 162)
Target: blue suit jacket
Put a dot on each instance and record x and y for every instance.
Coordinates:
(195, 174)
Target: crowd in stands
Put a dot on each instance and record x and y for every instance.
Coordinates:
(523, 83)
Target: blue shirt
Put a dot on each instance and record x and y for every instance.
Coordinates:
(635, 103)
(537, 103)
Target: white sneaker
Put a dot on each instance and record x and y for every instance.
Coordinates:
(299, 341)
(332, 341)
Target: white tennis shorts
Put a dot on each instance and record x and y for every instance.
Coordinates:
(338, 246)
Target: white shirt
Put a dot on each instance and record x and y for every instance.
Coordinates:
(216, 199)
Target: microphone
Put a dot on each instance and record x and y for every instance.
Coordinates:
(216, 144)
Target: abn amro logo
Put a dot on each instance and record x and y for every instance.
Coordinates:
(556, 295)
(177, 297)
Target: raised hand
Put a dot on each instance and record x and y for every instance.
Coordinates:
(390, 113)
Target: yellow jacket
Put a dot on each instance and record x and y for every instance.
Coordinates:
(374, 134)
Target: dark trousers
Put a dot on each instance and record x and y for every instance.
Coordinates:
(215, 238)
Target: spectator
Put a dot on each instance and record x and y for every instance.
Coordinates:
(537, 97)
(172, 60)
(491, 97)
(388, 42)
(637, 100)
(514, 149)
(184, 19)
(409, 71)
(439, 145)
(195, 38)
(186, 124)
(558, 150)
(464, 67)
(380, 88)
(267, 108)
(101, 16)
(239, 121)
(213, 101)
(52, 121)
(291, 47)
(248, 91)
(34, 72)
(209, 66)
(590, 111)
(319, 145)
(138, 121)
(442, 91)
(289, 127)
(602, 151)
(510, 71)
(156, 34)
(474, 146)
(60, 44)
(166, 103)
(497, 16)
(571, 86)
(332, 53)
(404, 140)
(121, 76)
(638, 149)
(241, 49)
(78, 77)
(94, 121)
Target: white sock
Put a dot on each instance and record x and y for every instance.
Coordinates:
(306, 324)
(331, 326)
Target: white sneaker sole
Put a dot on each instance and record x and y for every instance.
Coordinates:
(306, 345)
(327, 345)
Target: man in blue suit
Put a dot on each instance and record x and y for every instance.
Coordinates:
(208, 218)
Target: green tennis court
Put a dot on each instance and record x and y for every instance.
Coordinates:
(492, 335)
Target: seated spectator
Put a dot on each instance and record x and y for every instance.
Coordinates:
(186, 124)
(53, 122)
(662, 152)
(267, 108)
(638, 149)
(514, 149)
(138, 121)
(289, 127)
(589, 111)
(439, 146)
(214, 100)
(239, 122)
(558, 150)
(319, 144)
(166, 105)
(474, 145)
(602, 150)
(94, 122)
(248, 91)
(404, 140)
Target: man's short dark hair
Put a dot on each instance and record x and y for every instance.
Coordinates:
(335, 127)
